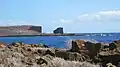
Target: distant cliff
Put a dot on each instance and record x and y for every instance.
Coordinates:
(20, 30)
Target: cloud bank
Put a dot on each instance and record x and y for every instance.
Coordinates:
(101, 16)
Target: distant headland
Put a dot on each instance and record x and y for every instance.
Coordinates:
(30, 30)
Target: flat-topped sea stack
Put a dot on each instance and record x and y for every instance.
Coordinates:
(59, 30)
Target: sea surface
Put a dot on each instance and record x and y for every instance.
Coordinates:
(62, 41)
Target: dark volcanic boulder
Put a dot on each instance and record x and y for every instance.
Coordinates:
(45, 46)
(50, 52)
(90, 46)
(98, 46)
(93, 48)
(117, 43)
(112, 46)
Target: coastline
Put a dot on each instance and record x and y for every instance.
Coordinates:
(51, 34)
(66, 34)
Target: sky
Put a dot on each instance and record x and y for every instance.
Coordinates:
(75, 16)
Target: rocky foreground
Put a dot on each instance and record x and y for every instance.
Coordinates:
(82, 54)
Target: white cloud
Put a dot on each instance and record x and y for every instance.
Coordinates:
(62, 21)
(65, 21)
(101, 16)
(11, 23)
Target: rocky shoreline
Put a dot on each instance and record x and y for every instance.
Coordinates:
(82, 54)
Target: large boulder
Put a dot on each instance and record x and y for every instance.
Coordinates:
(93, 48)
(90, 46)
(81, 46)
(98, 47)
(77, 45)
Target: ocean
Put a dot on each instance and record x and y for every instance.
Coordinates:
(62, 41)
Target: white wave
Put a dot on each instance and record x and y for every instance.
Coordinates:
(69, 42)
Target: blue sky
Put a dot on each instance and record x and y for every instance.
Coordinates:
(73, 15)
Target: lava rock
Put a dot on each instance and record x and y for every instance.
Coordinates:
(2, 45)
(112, 46)
(45, 60)
(50, 52)
(77, 45)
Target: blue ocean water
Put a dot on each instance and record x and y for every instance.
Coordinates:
(61, 41)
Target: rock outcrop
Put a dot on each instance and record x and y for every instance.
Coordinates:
(82, 54)
(78, 45)
(19, 54)
(58, 31)
(98, 52)
(82, 46)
